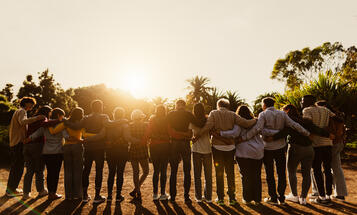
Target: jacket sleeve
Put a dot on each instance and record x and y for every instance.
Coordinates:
(209, 124)
(38, 133)
(57, 129)
(23, 120)
(235, 132)
(256, 129)
(296, 126)
(245, 123)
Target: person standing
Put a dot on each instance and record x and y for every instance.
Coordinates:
(274, 151)
(223, 149)
(33, 156)
(320, 117)
(249, 156)
(202, 156)
(158, 135)
(17, 134)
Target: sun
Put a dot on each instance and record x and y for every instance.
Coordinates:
(135, 83)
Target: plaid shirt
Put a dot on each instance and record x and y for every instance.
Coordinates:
(138, 151)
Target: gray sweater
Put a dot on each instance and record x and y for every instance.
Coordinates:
(53, 143)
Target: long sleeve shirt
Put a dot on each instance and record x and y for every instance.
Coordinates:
(18, 126)
(276, 120)
(53, 142)
(223, 120)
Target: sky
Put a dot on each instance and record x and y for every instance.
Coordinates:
(151, 47)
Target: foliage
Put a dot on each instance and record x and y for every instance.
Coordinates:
(198, 89)
(234, 100)
(213, 97)
(8, 92)
(47, 92)
(4, 136)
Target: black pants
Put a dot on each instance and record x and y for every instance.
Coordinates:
(89, 157)
(53, 164)
(180, 149)
(116, 156)
(278, 156)
(17, 167)
(224, 161)
(159, 154)
(323, 156)
(250, 172)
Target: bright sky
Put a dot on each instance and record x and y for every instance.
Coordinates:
(161, 43)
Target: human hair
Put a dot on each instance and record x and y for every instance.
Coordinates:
(44, 110)
(322, 103)
(25, 100)
(56, 112)
(76, 114)
(244, 112)
(97, 106)
(199, 113)
(309, 100)
(180, 102)
(160, 111)
(118, 113)
(269, 101)
(292, 112)
(223, 103)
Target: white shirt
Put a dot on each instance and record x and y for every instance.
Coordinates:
(203, 144)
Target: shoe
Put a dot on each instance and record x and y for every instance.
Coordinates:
(54, 196)
(198, 200)
(17, 192)
(99, 199)
(172, 199)
(245, 202)
(109, 198)
(282, 202)
(133, 193)
(209, 201)
(292, 198)
(86, 198)
(188, 200)
(270, 201)
(155, 197)
(321, 200)
(232, 202)
(26, 196)
(302, 201)
(313, 195)
(339, 198)
(257, 203)
(42, 193)
(119, 198)
(220, 202)
(164, 197)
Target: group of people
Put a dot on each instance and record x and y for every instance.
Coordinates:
(313, 138)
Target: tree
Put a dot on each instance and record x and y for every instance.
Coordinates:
(159, 100)
(213, 97)
(301, 66)
(349, 68)
(234, 100)
(198, 89)
(8, 92)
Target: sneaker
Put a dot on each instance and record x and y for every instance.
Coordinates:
(321, 201)
(17, 192)
(54, 196)
(257, 203)
(119, 198)
(198, 200)
(155, 197)
(86, 198)
(339, 198)
(26, 196)
(99, 199)
(233, 202)
(209, 201)
(172, 199)
(245, 202)
(220, 202)
(164, 197)
(313, 195)
(42, 193)
(270, 201)
(292, 198)
(282, 202)
(302, 201)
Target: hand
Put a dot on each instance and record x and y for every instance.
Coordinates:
(27, 140)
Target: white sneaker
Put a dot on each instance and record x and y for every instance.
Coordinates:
(198, 200)
(17, 192)
(164, 197)
(42, 193)
(302, 201)
(155, 197)
(26, 196)
(292, 198)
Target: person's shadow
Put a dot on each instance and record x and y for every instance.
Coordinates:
(139, 209)
(66, 207)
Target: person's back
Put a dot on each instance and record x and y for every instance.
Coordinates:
(180, 119)
(93, 124)
(274, 119)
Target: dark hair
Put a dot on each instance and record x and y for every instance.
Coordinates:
(97, 106)
(309, 100)
(223, 103)
(322, 103)
(76, 114)
(118, 112)
(44, 110)
(293, 113)
(160, 111)
(26, 100)
(56, 112)
(180, 102)
(269, 101)
(244, 112)
(199, 112)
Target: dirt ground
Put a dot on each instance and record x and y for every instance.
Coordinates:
(42, 206)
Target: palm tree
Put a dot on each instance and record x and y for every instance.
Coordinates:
(213, 97)
(234, 100)
(159, 100)
(198, 89)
